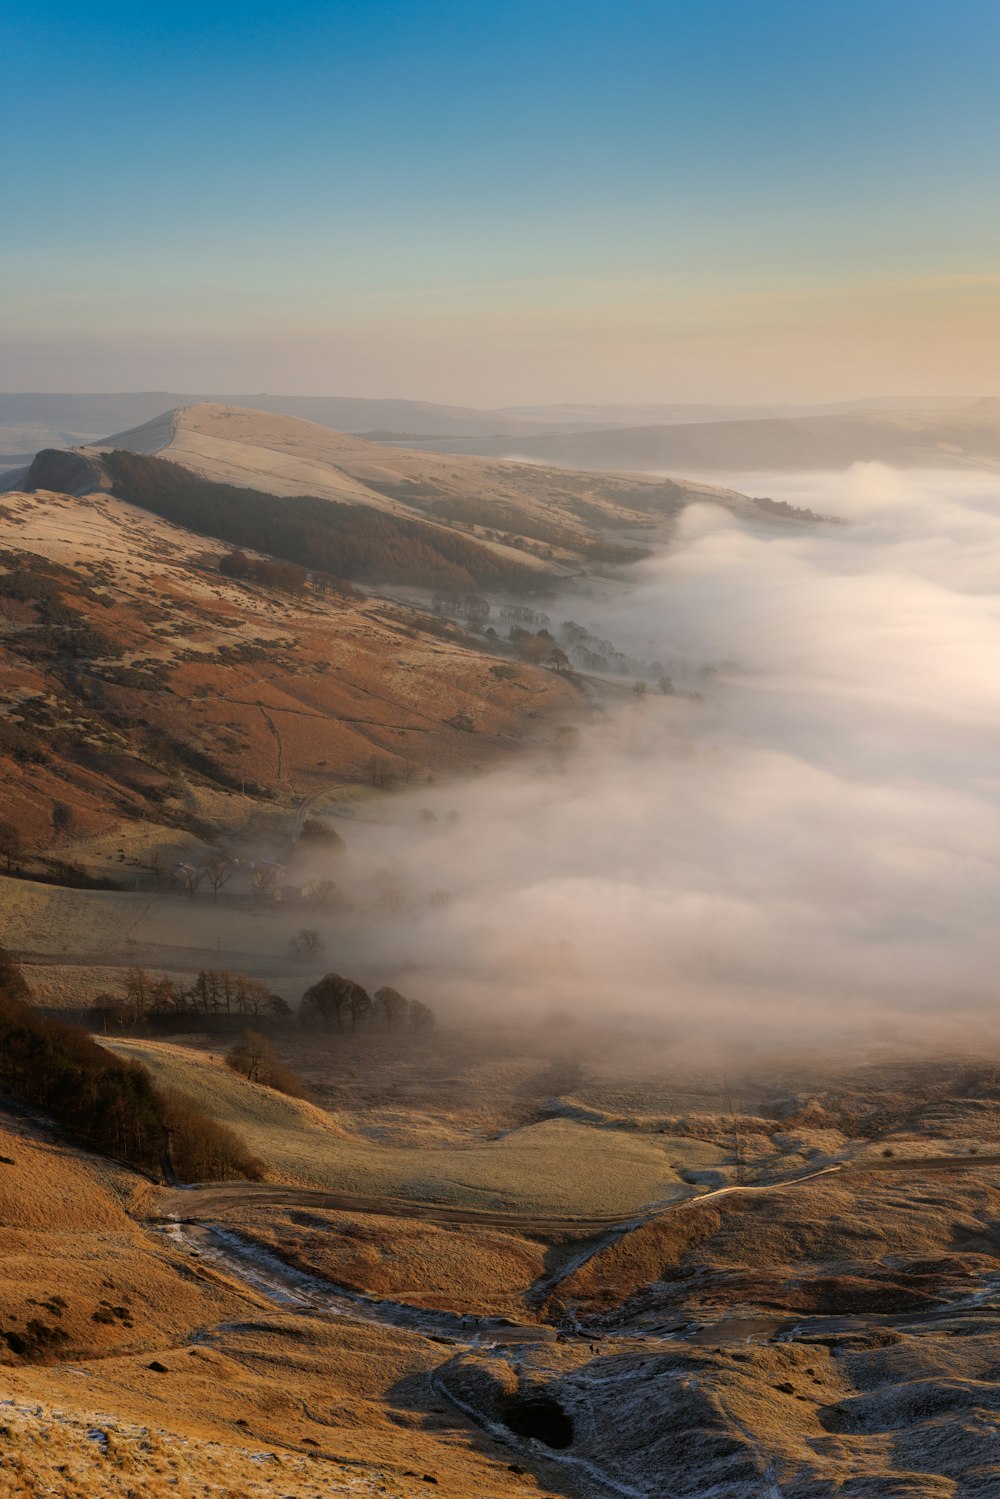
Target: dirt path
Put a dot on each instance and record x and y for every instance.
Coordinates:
(198, 1204)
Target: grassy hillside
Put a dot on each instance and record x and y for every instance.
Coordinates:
(558, 1167)
(350, 541)
(134, 670)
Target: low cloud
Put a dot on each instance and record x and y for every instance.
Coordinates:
(808, 854)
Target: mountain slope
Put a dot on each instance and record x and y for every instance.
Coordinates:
(502, 503)
(132, 666)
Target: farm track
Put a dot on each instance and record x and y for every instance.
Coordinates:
(198, 1203)
(194, 1208)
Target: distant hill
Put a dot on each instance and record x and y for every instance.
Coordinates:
(33, 420)
(966, 437)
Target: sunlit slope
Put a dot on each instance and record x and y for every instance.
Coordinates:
(557, 1167)
(78, 1277)
(277, 692)
(285, 455)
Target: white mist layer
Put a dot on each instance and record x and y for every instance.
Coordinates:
(812, 852)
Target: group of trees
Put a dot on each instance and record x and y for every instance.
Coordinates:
(283, 577)
(471, 607)
(336, 999)
(213, 992)
(110, 1104)
(520, 614)
(590, 653)
(348, 541)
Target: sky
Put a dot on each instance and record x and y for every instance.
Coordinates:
(487, 204)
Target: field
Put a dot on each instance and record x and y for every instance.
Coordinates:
(555, 1167)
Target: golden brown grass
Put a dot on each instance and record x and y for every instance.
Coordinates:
(78, 1276)
(458, 1269)
(554, 1168)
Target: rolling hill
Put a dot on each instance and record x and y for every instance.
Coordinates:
(134, 670)
(287, 456)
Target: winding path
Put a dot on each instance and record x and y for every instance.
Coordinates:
(186, 1213)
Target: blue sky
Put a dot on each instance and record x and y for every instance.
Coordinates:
(706, 200)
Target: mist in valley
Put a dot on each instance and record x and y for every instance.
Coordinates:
(798, 847)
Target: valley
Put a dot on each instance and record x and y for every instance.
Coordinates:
(341, 858)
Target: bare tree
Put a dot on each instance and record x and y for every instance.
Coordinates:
(358, 1003)
(266, 877)
(307, 944)
(138, 989)
(252, 1056)
(325, 893)
(219, 870)
(252, 997)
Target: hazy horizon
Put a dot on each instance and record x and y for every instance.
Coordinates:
(521, 204)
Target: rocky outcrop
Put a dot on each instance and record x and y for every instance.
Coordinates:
(66, 471)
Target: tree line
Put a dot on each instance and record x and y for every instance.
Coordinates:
(335, 1000)
(213, 992)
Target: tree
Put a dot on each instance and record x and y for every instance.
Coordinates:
(307, 944)
(421, 1016)
(558, 660)
(219, 870)
(379, 771)
(252, 997)
(265, 879)
(358, 1003)
(11, 845)
(328, 1001)
(139, 989)
(315, 830)
(392, 1004)
(325, 893)
(252, 1055)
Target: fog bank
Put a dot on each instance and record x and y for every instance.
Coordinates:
(811, 851)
